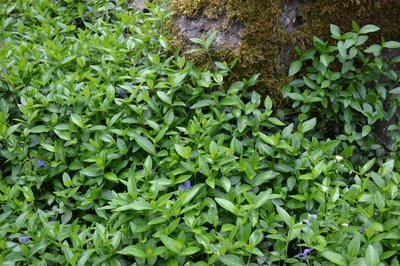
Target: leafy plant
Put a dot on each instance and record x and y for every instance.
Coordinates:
(347, 86)
(115, 153)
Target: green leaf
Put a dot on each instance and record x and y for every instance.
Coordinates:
(285, 168)
(226, 183)
(372, 256)
(66, 180)
(39, 129)
(354, 246)
(65, 135)
(395, 90)
(187, 151)
(335, 31)
(324, 84)
(334, 257)
(91, 171)
(379, 200)
(325, 60)
(84, 257)
(358, 262)
(178, 79)
(295, 96)
(263, 177)
(361, 40)
(307, 176)
(231, 260)
(179, 149)
(387, 168)
(112, 177)
(173, 245)
(226, 204)
(114, 119)
(295, 67)
(308, 125)
(210, 39)
(144, 143)
(256, 237)
(132, 250)
(169, 117)
(138, 205)
(235, 88)
(191, 193)
(231, 100)
(367, 166)
(285, 216)
(275, 121)
(378, 180)
(368, 28)
(365, 130)
(309, 54)
(202, 103)
(164, 97)
(77, 120)
(268, 103)
(374, 49)
(271, 140)
(213, 149)
(391, 44)
(309, 82)
(264, 196)
(4, 215)
(48, 147)
(190, 251)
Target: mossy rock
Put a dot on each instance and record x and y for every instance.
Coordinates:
(262, 34)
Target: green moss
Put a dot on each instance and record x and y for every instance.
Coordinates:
(265, 41)
(210, 9)
(384, 13)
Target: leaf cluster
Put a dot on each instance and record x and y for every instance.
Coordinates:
(349, 86)
(101, 131)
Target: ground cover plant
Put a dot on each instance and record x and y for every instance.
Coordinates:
(115, 152)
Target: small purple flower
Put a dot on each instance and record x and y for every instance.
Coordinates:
(121, 92)
(304, 254)
(24, 239)
(185, 186)
(41, 163)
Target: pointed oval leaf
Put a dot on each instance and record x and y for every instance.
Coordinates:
(369, 28)
(391, 44)
(334, 257)
(191, 194)
(39, 129)
(335, 31)
(173, 245)
(226, 204)
(395, 90)
(164, 97)
(285, 216)
(295, 67)
(138, 205)
(354, 246)
(309, 124)
(190, 251)
(144, 143)
(231, 260)
(372, 256)
(133, 250)
(263, 197)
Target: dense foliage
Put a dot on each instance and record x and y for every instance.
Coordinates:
(113, 152)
